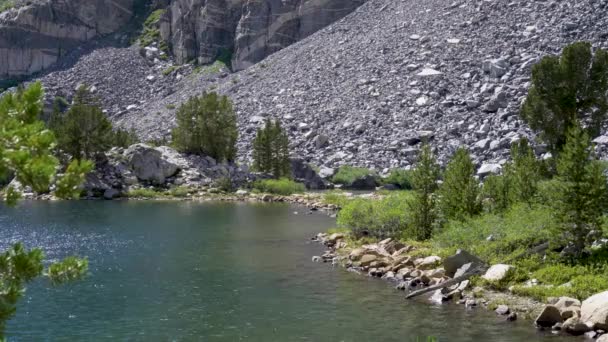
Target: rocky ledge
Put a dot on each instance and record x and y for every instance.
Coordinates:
(447, 280)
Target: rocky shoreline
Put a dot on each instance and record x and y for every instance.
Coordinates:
(446, 280)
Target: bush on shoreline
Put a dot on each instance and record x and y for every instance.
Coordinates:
(346, 174)
(281, 186)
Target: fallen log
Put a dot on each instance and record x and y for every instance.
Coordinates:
(450, 282)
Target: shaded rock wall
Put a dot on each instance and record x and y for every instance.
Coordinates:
(34, 37)
(251, 29)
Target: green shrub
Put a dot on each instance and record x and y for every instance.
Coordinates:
(179, 191)
(271, 150)
(170, 69)
(346, 174)
(206, 125)
(558, 274)
(6, 5)
(144, 193)
(400, 177)
(512, 233)
(224, 184)
(281, 186)
(387, 217)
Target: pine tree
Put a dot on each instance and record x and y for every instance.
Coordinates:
(580, 194)
(423, 207)
(206, 125)
(568, 90)
(271, 150)
(523, 173)
(460, 189)
(84, 131)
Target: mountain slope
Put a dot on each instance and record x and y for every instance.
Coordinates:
(358, 83)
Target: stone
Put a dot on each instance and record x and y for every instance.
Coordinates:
(498, 101)
(502, 310)
(367, 259)
(428, 262)
(321, 141)
(242, 192)
(497, 272)
(603, 338)
(149, 164)
(548, 317)
(489, 169)
(452, 263)
(110, 194)
(594, 311)
(357, 253)
(495, 67)
(575, 326)
(568, 307)
(316, 258)
(333, 238)
(302, 172)
(429, 72)
(512, 317)
(438, 297)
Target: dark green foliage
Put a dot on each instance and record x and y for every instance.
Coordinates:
(282, 186)
(225, 184)
(401, 178)
(496, 193)
(225, 56)
(568, 90)
(579, 192)
(423, 207)
(460, 189)
(26, 146)
(84, 130)
(206, 125)
(124, 138)
(19, 266)
(271, 150)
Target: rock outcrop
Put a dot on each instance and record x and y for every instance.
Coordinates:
(34, 37)
(251, 29)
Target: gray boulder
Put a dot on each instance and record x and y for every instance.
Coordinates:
(149, 164)
(452, 263)
(302, 172)
(548, 317)
(594, 311)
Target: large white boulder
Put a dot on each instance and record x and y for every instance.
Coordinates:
(149, 164)
(595, 311)
(497, 272)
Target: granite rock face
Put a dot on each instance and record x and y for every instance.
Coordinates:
(251, 29)
(34, 37)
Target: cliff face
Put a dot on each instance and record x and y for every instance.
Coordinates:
(34, 37)
(251, 29)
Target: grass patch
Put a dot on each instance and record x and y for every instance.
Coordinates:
(346, 175)
(214, 68)
(150, 32)
(336, 197)
(580, 287)
(281, 186)
(155, 193)
(169, 70)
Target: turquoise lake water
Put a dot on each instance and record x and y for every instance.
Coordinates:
(180, 271)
